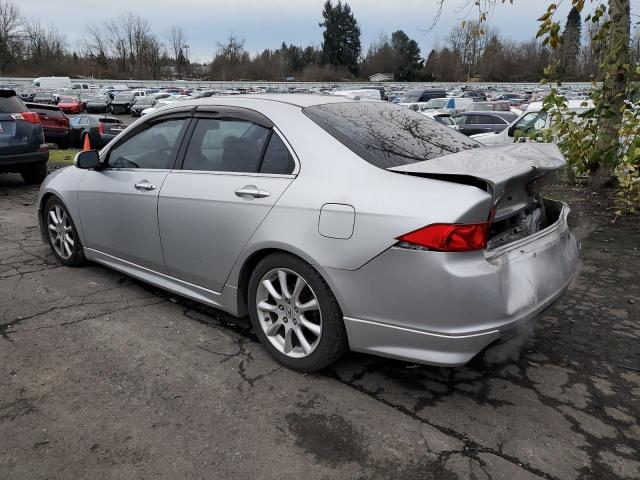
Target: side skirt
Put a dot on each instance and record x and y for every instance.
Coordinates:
(225, 300)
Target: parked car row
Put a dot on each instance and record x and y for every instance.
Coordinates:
(65, 132)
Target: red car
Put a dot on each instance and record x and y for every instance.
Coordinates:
(70, 104)
(55, 124)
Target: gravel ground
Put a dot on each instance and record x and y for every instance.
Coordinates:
(103, 377)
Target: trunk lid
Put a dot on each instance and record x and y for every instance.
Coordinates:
(513, 174)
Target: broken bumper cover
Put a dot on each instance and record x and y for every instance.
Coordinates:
(443, 308)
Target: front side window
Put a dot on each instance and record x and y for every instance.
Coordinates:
(226, 145)
(153, 147)
(387, 135)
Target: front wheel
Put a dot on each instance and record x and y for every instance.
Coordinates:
(294, 314)
(62, 234)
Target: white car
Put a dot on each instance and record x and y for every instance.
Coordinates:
(532, 120)
(166, 101)
(443, 118)
(355, 94)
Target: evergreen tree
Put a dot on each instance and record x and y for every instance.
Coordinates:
(341, 36)
(408, 64)
(571, 43)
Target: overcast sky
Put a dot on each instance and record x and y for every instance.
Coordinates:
(267, 23)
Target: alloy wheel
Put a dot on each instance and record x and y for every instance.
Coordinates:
(289, 312)
(60, 231)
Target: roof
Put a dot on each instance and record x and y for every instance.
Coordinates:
(298, 99)
(571, 104)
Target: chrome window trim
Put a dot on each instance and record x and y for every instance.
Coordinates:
(235, 174)
(112, 169)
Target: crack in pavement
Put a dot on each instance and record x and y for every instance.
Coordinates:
(472, 448)
(8, 328)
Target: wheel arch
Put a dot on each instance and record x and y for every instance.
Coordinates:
(256, 257)
(41, 213)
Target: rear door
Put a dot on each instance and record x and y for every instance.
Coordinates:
(235, 167)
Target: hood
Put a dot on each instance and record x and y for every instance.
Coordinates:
(511, 173)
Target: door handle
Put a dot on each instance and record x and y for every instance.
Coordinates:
(145, 186)
(252, 191)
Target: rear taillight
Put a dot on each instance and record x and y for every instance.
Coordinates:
(449, 237)
(101, 128)
(26, 116)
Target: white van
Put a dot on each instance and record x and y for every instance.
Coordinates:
(532, 120)
(362, 94)
(52, 82)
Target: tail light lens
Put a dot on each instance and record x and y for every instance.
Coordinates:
(27, 117)
(449, 237)
(101, 128)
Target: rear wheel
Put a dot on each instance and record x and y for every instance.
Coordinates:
(62, 234)
(294, 314)
(35, 174)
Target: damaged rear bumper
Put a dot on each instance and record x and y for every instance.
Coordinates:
(443, 308)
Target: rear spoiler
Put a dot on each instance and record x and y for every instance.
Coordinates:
(511, 174)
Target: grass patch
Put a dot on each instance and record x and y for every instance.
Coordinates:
(62, 156)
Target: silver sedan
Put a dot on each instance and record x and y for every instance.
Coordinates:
(334, 224)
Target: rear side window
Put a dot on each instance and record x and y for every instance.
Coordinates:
(277, 158)
(478, 119)
(387, 135)
(11, 104)
(497, 120)
(225, 145)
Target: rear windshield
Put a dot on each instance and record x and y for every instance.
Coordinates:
(387, 135)
(52, 112)
(11, 104)
(110, 120)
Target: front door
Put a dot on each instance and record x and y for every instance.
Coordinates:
(118, 204)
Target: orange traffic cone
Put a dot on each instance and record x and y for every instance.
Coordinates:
(87, 143)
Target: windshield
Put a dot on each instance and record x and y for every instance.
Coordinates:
(532, 121)
(437, 103)
(387, 135)
(68, 99)
(123, 97)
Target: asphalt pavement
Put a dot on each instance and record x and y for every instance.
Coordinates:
(104, 377)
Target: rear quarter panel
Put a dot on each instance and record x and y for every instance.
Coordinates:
(387, 204)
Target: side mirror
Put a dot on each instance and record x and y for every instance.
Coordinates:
(512, 130)
(87, 159)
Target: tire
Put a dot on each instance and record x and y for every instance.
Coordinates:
(327, 345)
(35, 174)
(74, 257)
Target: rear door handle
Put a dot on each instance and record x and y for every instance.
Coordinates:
(252, 191)
(145, 186)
